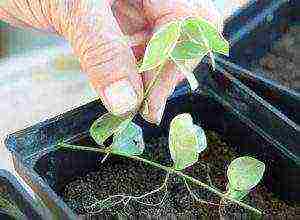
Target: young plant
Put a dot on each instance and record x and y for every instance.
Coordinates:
(243, 173)
(186, 141)
(183, 42)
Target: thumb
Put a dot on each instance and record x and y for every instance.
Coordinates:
(95, 37)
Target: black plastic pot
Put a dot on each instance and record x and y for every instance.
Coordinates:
(13, 192)
(252, 31)
(47, 170)
(245, 119)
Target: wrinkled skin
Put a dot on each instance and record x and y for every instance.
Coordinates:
(94, 28)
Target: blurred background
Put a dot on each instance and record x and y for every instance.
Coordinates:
(39, 79)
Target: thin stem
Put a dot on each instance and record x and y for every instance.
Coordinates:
(194, 196)
(126, 198)
(188, 74)
(156, 204)
(107, 199)
(154, 191)
(164, 185)
(208, 47)
(113, 204)
(153, 81)
(104, 158)
(167, 169)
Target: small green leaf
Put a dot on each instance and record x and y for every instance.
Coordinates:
(201, 30)
(160, 46)
(201, 138)
(106, 126)
(129, 141)
(244, 173)
(189, 50)
(183, 143)
(236, 194)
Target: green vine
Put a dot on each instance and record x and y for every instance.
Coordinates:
(182, 42)
(169, 170)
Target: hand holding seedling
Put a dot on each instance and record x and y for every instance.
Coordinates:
(98, 31)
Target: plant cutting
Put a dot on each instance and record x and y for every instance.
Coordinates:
(185, 43)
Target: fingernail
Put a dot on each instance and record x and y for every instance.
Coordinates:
(121, 97)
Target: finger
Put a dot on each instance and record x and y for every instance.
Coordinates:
(26, 14)
(109, 63)
(94, 35)
(161, 12)
(130, 16)
(158, 95)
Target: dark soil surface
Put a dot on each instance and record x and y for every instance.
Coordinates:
(282, 63)
(120, 176)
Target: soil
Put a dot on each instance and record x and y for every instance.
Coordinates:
(118, 175)
(282, 63)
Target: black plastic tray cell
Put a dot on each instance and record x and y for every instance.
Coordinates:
(252, 31)
(47, 170)
(15, 198)
(251, 38)
(232, 101)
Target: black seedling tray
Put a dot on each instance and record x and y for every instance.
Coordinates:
(12, 190)
(251, 122)
(251, 32)
(47, 170)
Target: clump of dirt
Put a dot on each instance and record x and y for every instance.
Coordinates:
(119, 175)
(282, 63)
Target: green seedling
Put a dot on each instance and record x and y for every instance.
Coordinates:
(243, 174)
(184, 141)
(128, 141)
(184, 42)
(160, 46)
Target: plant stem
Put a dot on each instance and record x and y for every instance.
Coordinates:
(153, 81)
(167, 169)
(194, 196)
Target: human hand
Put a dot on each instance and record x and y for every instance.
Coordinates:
(95, 29)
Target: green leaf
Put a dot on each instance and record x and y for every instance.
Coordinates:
(189, 50)
(160, 46)
(183, 143)
(200, 31)
(244, 173)
(106, 126)
(201, 138)
(129, 141)
(236, 194)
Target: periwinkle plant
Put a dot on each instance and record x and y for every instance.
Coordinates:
(184, 42)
